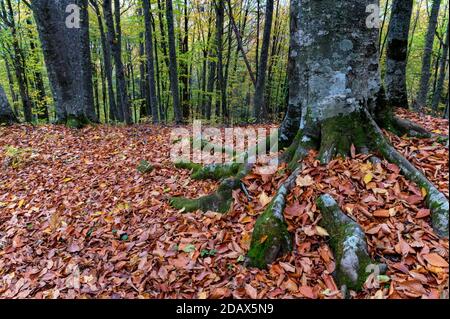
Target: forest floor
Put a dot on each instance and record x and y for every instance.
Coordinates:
(77, 220)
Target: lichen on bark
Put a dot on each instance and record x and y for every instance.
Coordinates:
(348, 243)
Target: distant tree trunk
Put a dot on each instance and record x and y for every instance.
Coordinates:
(211, 73)
(96, 90)
(414, 26)
(106, 48)
(442, 72)
(173, 68)
(258, 24)
(114, 39)
(446, 107)
(11, 81)
(145, 97)
(104, 92)
(381, 41)
(18, 60)
(184, 65)
(150, 62)
(397, 48)
(7, 115)
(422, 95)
(162, 31)
(160, 85)
(38, 80)
(260, 105)
(273, 52)
(238, 33)
(68, 59)
(220, 19)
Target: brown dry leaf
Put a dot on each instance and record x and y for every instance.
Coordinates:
(307, 292)
(264, 200)
(304, 181)
(435, 260)
(383, 213)
(251, 291)
(287, 267)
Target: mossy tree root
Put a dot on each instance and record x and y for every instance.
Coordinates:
(348, 243)
(77, 122)
(409, 128)
(212, 171)
(436, 201)
(270, 238)
(219, 201)
(230, 173)
(339, 133)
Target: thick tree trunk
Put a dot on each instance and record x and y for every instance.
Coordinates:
(7, 115)
(397, 48)
(150, 62)
(259, 102)
(173, 67)
(67, 56)
(422, 95)
(442, 72)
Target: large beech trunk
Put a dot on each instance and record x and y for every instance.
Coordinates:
(67, 57)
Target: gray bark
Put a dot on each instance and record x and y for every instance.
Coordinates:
(397, 47)
(336, 61)
(422, 95)
(7, 115)
(67, 56)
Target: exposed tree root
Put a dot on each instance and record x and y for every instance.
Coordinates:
(212, 171)
(410, 128)
(271, 238)
(219, 201)
(348, 243)
(230, 173)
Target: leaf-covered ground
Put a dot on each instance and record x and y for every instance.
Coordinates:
(77, 220)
